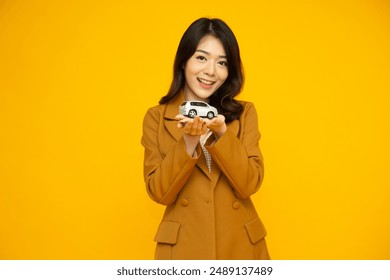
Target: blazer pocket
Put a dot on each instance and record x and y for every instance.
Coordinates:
(256, 230)
(167, 233)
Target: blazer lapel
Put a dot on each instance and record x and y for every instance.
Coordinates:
(171, 111)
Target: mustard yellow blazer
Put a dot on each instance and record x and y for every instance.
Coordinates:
(208, 215)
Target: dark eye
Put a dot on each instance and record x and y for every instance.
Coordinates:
(200, 57)
(223, 63)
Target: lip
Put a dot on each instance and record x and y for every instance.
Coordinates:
(206, 84)
(205, 81)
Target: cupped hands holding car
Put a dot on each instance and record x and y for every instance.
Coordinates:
(194, 128)
(198, 126)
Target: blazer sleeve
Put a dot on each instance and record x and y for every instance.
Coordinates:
(164, 175)
(240, 158)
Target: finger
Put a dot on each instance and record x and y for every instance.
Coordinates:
(204, 127)
(181, 123)
(199, 127)
(188, 128)
(195, 122)
(194, 127)
(196, 119)
(219, 120)
(182, 120)
(179, 117)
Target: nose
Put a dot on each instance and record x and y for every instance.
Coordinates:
(209, 68)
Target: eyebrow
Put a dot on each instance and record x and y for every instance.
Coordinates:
(203, 51)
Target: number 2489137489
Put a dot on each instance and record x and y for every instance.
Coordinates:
(250, 270)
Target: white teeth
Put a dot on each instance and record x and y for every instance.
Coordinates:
(205, 81)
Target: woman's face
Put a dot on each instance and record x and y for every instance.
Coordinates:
(206, 70)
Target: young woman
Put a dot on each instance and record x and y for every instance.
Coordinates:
(205, 170)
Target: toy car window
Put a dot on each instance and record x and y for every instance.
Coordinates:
(198, 104)
(184, 103)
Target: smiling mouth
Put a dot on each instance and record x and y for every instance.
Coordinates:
(206, 82)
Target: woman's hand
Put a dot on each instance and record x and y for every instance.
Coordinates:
(198, 126)
(217, 125)
(192, 129)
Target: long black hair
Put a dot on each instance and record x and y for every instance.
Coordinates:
(223, 98)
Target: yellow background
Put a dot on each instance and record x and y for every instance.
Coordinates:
(76, 78)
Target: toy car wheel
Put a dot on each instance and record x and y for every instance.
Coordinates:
(192, 113)
(210, 115)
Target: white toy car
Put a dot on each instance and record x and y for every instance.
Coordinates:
(197, 108)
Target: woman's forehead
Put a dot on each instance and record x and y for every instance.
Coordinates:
(211, 45)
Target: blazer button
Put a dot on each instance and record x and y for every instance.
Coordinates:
(236, 205)
(184, 202)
